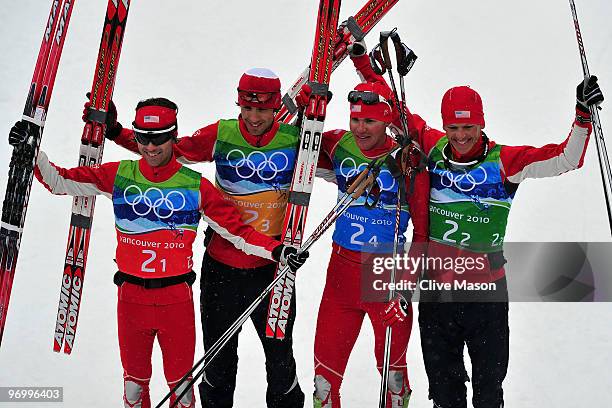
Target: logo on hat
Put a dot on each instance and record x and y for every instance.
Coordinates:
(150, 119)
(462, 114)
(462, 104)
(355, 108)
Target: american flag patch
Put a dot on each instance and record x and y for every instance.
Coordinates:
(355, 108)
(462, 114)
(151, 119)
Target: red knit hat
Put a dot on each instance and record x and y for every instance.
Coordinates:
(381, 111)
(155, 119)
(260, 88)
(462, 104)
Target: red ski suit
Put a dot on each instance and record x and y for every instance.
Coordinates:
(167, 312)
(223, 263)
(342, 308)
(200, 147)
(517, 163)
(448, 327)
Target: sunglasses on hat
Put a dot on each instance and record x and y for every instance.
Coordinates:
(368, 98)
(254, 97)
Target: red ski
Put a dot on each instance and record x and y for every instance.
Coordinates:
(92, 144)
(355, 29)
(310, 141)
(24, 156)
(294, 224)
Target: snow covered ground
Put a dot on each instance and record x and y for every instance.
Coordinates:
(522, 58)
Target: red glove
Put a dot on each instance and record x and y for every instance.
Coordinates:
(86, 109)
(396, 311)
(303, 96)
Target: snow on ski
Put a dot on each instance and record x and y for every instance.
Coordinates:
(24, 157)
(90, 154)
(310, 142)
(308, 152)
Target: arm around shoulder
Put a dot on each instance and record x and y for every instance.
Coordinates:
(125, 139)
(221, 215)
(199, 147)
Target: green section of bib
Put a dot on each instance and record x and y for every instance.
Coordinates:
(468, 208)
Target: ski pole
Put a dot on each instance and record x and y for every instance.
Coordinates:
(365, 179)
(405, 61)
(602, 154)
(386, 59)
(384, 377)
(380, 61)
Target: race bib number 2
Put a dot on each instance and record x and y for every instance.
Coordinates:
(152, 256)
(153, 262)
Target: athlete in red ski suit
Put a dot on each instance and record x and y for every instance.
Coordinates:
(358, 233)
(254, 158)
(473, 179)
(158, 204)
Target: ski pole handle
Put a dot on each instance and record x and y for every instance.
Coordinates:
(408, 61)
(379, 56)
(404, 55)
(384, 47)
(373, 192)
(376, 61)
(399, 50)
(362, 186)
(357, 181)
(394, 35)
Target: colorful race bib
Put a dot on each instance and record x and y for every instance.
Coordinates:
(156, 223)
(360, 228)
(468, 208)
(256, 179)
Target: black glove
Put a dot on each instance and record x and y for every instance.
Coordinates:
(407, 159)
(588, 94)
(290, 256)
(113, 127)
(18, 134)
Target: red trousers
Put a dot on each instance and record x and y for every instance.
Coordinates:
(341, 314)
(144, 314)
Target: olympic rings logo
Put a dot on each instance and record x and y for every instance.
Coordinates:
(154, 200)
(257, 163)
(354, 170)
(449, 179)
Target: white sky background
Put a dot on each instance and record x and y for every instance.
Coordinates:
(521, 56)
